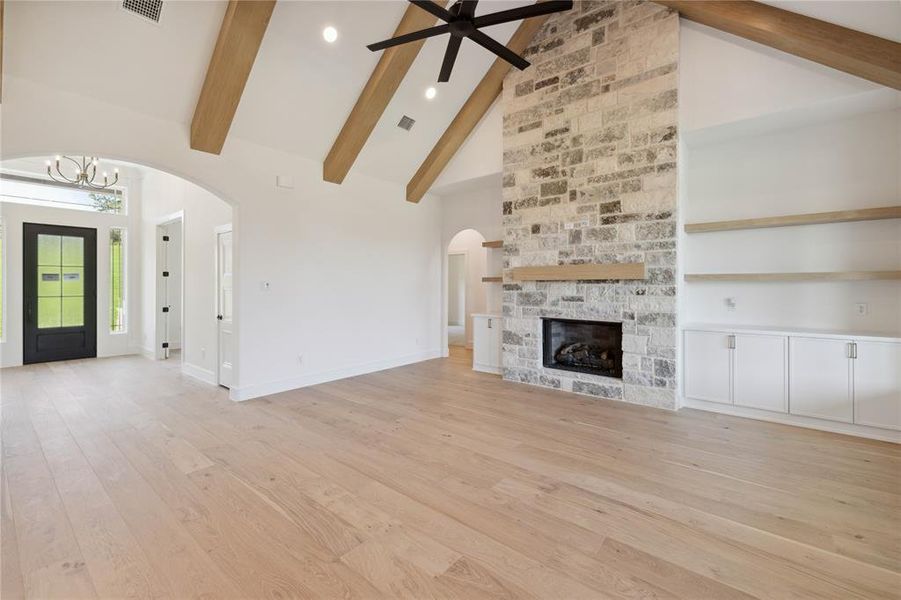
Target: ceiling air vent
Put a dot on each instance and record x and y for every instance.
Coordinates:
(147, 9)
(406, 123)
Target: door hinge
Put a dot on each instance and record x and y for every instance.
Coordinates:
(165, 344)
(165, 238)
(165, 309)
(165, 273)
(852, 350)
(731, 342)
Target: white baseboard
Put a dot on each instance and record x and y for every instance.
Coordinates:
(200, 373)
(239, 394)
(874, 433)
(487, 369)
(147, 352)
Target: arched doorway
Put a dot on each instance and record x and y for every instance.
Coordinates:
(465, 294)
(147, 294)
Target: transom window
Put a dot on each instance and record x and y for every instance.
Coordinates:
(29, 190)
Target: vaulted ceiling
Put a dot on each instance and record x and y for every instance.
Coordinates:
(301, 89)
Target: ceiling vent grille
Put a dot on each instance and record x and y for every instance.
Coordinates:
(406, 123)
(146, 9)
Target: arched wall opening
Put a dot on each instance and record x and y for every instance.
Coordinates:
(466, 294)
(130, 283)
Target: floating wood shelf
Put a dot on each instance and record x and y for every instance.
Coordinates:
(840, 216)
(492, 279)
(820, 276)
(588, 272)
(493, 244)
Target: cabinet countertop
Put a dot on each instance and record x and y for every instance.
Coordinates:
(795, 331)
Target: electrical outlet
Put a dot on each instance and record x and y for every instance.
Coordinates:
(730, 304)
(861, 309)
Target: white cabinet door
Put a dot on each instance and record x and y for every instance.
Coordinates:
(707, 366)
(820, 379)
(877, 384)
(480, 341)
(495, 328)
(486, 344)
(759, 372)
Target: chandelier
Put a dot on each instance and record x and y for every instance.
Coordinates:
(85, 172)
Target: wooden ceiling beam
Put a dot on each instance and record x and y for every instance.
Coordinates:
(868, 56)
(236, 50)
(472, 112)
(380, 89)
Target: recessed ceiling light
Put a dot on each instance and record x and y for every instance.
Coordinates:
(330, 34)
(431, 93)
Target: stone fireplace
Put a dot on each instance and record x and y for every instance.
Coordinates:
(592, 347)
(590, 134)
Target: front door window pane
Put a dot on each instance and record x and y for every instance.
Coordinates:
(60, 281)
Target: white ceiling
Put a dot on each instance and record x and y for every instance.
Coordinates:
(301, 88)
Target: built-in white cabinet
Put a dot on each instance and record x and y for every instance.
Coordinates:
(810, 377)
(877, 384)
(741, 369)
(487, 336)
(820, 378)
(759, 371)
(708, 358)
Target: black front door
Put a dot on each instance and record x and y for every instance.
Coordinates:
(60, 292)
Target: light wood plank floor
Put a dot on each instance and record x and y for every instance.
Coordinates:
(122, 478)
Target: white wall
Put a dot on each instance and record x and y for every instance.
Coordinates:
(469, 243)
(847, 163)
(334, 255)
(201, 212)
(14, 215)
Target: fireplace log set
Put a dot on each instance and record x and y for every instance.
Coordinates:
(585, 356)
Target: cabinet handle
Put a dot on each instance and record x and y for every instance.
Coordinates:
(731, 339)
(489, 323)
(852, 350)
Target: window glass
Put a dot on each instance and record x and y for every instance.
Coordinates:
(47, 194)
(117, 279)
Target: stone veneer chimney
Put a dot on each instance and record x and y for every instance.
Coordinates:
(590, 176)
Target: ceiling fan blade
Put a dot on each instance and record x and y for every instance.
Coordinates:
(410, 37)
(438, 11)
(523, 12)
(450, 57)
(468, 8)
(508, 55)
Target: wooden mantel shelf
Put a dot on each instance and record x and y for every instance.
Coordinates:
(587, 272)
(493, 244)
(839, 216)
(811, 276)
(492, 279)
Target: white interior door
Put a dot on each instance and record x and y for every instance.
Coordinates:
(225, 306)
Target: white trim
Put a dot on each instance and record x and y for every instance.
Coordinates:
(239, 394)
(487, 369)
(874, 433)
(204, 375)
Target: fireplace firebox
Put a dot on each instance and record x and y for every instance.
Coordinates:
(593, 347)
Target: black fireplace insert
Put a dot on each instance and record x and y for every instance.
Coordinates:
(594, 347)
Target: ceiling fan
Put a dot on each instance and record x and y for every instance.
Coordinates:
(460, 22)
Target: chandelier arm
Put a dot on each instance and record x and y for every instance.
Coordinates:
(63, 176)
